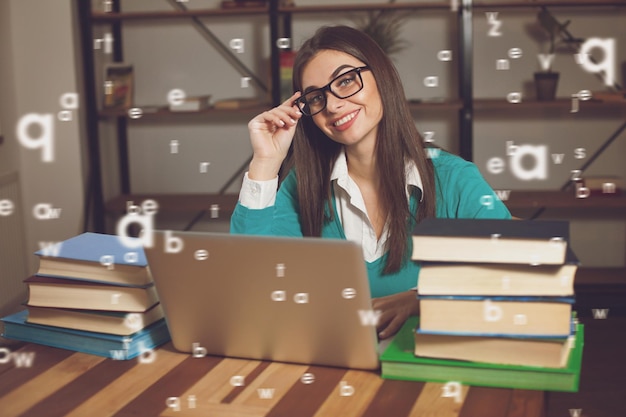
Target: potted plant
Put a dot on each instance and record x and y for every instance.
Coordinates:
(384, 26)
(554, 34)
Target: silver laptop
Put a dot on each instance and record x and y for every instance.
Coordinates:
(301, 300)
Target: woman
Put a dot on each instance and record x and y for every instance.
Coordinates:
(358, 170)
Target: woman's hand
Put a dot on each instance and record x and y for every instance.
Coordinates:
(395, 309)
(271, 133)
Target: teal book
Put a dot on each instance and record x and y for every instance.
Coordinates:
(398, 361)
(101, 344)
(96, 257)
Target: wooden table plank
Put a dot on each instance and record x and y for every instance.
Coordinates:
(526, 403)
(394, 399)
(248, 373)
(44, 358)
(431, 398)
(31, 392)
(124, 389)
(271, 385)
(365, 385)
(486, 402)
(152, 401)
(80, 389)
(303, 399)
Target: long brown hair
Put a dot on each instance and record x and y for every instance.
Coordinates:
(397, 142)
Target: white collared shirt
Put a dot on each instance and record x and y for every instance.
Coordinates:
(349, 201)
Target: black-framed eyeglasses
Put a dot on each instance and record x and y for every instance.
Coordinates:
(342, 86)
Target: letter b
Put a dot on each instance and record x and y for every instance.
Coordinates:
(172, 244)
(491, 312)
(198, 351)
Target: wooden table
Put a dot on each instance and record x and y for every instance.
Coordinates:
(168, 383)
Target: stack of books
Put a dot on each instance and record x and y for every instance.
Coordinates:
(496, 302)
(91, 294)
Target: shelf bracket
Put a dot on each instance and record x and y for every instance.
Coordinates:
(221, 48)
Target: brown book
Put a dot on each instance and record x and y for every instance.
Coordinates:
(498, 279)
(496, 316)
(81, 294)
(112, 322)
(551, 353)
(237, 103)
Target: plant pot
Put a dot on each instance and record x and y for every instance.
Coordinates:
(545, 83)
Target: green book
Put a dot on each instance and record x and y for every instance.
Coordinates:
(398, 361)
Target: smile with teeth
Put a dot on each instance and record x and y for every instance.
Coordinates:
(345, 119)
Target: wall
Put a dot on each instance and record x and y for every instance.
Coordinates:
(37, 68)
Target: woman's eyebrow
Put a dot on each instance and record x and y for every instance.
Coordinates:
(335, 73)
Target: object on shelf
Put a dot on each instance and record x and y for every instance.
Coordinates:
(118, 86)
(286, 73)
(237, 103)
(607, 185)
(235, 4)
(192, 104)
(385, 28)
(610, 96)
(546, 80)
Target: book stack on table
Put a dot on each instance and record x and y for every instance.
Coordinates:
(496, 302)
(92, 294)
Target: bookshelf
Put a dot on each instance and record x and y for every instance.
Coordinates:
(466, 105)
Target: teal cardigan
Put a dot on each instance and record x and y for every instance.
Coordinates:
(461, 192)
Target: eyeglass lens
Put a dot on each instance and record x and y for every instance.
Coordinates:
(344, 86)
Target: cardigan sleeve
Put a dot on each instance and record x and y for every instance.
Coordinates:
(462, 191)
(280, 219)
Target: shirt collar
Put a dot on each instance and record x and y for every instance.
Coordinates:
(340, 173)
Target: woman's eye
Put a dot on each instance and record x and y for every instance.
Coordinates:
(315, 99)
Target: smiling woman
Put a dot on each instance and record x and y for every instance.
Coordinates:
(358, 169)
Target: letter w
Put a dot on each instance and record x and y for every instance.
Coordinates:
(370, 317)
(23, 359)
(118, 355)
(50, 248)
(265, 393)
(503, 195)
(600, 313)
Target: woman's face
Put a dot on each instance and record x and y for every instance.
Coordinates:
(350, 121)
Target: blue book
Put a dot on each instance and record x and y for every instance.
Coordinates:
(101, 344)
(96, 257)
(496, 316)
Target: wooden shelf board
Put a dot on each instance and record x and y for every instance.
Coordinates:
(563, 200)
(403, 5)
(435, 105)
(102, 17)
(565, 104)
(547, 3)
(176, 203)
(160, 113)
